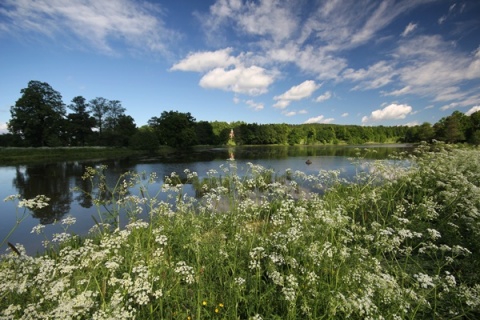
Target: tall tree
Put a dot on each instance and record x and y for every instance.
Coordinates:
(144, 139)
(174, 129)
(38, 116)
(99, 108)
(204, 132)
(114, 112)
(453, 128)
(80, 123)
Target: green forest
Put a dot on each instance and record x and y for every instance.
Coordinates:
(39, 118)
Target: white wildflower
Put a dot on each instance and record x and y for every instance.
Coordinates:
(186, 271)
(240, 281)
(69, 220)
(38, 202)
(161, 240)
(38, 229)
(424, 280)
(434, 234)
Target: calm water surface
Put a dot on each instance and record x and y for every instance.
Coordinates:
(57, 180)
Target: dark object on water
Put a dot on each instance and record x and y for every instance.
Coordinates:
(13, 248)
(308, 162)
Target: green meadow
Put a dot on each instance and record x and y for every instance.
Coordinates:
(400, 241)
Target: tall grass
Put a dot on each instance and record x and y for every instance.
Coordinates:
(401, 242)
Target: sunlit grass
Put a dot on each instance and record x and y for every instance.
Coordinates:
(400, 242)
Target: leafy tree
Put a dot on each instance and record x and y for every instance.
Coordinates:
(425, 132)
(10, 140)
(125, 128)
(99, 108)
(311, 135)
(295, 136)
(80, 123)
(144, 139)
(113, 114)
(453, 128)
(38, 115)
(473, 134)
(204, 132)
(174, 129)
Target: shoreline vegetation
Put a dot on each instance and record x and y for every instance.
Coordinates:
(19, 155)
(398, 242)
(13, 156)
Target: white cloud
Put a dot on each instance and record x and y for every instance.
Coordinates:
(248, 80)
(399, 92)
(434, 68)
(206, 60)
(345, 114)
(391, 112)
(275, 19)
(226, 72)
(303, 111)
(345, 27)
(327, 95)
(319, 119)
(472, 110)
(3, 127)
(282, 104)
(376, 76)
(98, 23)
(412, 124)
(254, 105)
(449, 106)
(409, 29)
(290, 113)
(299, 92)
(317, 61)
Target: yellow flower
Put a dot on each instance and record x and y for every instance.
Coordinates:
(220, 305)
(204, 302)
(216, 310)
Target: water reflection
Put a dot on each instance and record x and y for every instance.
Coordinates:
(59, 180)
(30, 181)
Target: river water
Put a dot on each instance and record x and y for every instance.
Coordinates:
(59, 179)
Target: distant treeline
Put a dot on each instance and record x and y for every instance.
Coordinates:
(39, 118)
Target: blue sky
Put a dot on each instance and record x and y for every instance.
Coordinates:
(363, 62)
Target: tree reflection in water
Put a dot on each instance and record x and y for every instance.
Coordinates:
(57, 181)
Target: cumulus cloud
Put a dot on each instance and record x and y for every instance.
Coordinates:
(324, 97)
(206, 60)
(97, 23)
(247, 80)
(391, 112)
(345, 114)
(254, 105)
(319, 119)
(472, 110)
(290, 113)
(226, 72)
(295, 93)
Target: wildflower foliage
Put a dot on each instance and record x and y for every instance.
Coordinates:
(400, 242)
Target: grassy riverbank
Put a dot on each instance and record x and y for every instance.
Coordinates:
(398, 243)
(14, 156)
